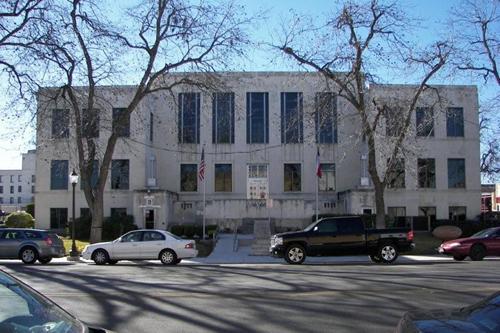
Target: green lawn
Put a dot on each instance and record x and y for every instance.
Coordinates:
(425, 243)
(79, 244)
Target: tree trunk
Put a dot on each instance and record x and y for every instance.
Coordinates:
(380, 206)
(378, 185)
(97, 219)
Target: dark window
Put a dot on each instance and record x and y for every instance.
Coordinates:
(292, 177)
(152, 236)
(456, 173)
(291, 117)
(425, 121)
(19, 178)
(1, 179)
(85, 213)
(257, 117)
(223, 178)
(33, 178)
(455, 122)
(59, 175)
(12, 234)
(151, 123)
(119, 212)
(90, 123)
(93, 177)
(327, 226)
(121, 122)
(135, 236)
(1, 189)
(19, 188)
(189, 118)
(393, 121)
(326, 118)
(32, 188)
(60, 123)
(11, 178)
(19, 199)
(1, 200)
(457, 213)
(350, 226)
(12, 189)
(426, 173)
(11, 200)
(120, 174)
(327, 180)
(189, 178)
(58, 218)
(32, 234)
(396, 174)
(223, 118)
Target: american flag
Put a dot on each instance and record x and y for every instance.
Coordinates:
(318, 166)
(201, 170)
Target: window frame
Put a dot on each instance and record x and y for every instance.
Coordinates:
(332, 123)
(426, 176)
(182, 115)
(288, 131)
(122, 130)
(424, 121)
(455, 125)
(226, 177)
(194, 171)
(220, 99)
(292, 187)
(63, 173)
(452, 184)
(253, 115)
(121, 185)
(60, 124)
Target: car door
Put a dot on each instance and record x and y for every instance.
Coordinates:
(493, 243)
(351, 235)
(129, 246)
(152, 243)
(10, 241)
(323, 237)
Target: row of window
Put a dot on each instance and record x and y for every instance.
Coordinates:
(11, 200)
(59, 216)
(19, 178)
(455, 213)
(257, 115)
(19, 189)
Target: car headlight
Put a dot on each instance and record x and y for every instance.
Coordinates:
(450, 245)
(279, 240)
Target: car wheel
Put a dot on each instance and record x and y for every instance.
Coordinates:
(295, 254)
(100, 257)
(168, 257)
(376, 259)
(387, 253)
(112, 262)
(477, 252)
(459, 258)
(44, 260)
(29, 255)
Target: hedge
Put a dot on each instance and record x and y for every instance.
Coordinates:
(19, 220)
(190, 230)
(112, 228)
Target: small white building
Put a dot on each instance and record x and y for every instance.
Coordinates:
(17, 187)
(260, 136)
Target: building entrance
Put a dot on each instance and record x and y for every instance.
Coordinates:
(149, 219)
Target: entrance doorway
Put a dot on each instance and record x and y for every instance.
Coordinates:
(149, 219)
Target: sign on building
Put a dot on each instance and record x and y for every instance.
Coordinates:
(257, 182)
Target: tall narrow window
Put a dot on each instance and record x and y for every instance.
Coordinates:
(1, 189)
(425, 121)
(19, 178)
(120, 171)
(457, 213)
(58, 218)
(326, 118)
(93, 177)
(90, 123)
(19, 189)
(327, 180)
(396, 174)
(121, 122)
(426, 173)
(60, 123)
(59, 175)
(189, 178)
(455, 122)
(292, 179)
(223, 118)
(257, 117)
(291, 117)
(456, 173)
(189, 118)
(393, 121)
(223, 178)
(151, 123)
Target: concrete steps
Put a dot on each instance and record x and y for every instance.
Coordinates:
(262, 238)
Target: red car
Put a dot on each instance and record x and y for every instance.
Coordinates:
(482, 244)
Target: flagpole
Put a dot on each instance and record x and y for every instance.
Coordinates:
(204, 197)
(317, 197)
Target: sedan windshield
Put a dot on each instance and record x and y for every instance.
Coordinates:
(21, 310)
(483, 233)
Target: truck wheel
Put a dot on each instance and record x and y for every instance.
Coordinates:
(477, 252)
(295, 254)
(387, 253)
(375, 258)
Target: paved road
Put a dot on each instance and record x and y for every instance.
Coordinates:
(149, 297)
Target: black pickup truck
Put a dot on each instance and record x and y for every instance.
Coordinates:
(342, 236)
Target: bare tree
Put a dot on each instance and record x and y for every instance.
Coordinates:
(349, 50)
(164, 36)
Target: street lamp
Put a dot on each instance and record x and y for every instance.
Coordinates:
(74, 180)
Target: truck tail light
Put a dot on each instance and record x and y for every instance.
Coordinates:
(48, 241)
(189, 246)
(409, 235)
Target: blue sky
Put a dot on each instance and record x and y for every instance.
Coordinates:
(434, 13)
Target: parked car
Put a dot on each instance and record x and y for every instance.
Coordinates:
(142, 245)
(22, 309)
(482, 317)
(484, 243)
(30, 245)
(341, 236)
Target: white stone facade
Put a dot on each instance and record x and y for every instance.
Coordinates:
(17, 187)
(155, 164)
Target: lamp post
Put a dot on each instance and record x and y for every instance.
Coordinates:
(74, 180)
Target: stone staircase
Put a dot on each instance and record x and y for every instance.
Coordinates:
(262, 236)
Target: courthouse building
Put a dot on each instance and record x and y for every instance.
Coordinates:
(260, 134)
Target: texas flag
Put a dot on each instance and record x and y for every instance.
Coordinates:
(318, 165)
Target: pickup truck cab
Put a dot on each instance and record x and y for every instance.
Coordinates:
(337, 236)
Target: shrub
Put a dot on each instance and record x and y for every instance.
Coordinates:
(20, 220)
(116, 225)
(190, 230)
(82, 227)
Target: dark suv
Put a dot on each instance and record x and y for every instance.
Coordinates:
(30, 245)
